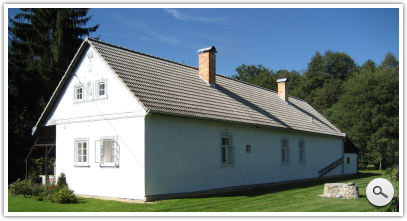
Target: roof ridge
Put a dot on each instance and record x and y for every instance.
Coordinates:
(139, 52)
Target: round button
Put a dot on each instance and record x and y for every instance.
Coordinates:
(379, 192)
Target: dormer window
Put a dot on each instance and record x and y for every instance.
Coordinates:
(79, 93)
(101, 88)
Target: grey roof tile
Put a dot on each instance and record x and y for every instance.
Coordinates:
(166, 86)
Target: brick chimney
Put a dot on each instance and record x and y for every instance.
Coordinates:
(207, 64)
(283, 88)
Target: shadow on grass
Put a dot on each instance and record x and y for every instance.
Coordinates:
(82, 200)
(259, 191)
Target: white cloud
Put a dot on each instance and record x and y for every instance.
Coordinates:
(182, 16)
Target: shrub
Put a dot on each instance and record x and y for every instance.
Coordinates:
(37, 190)
(388, 171)
(65, 196)
(20, 186)
(61, 182)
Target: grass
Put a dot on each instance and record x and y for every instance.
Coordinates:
(297, 197)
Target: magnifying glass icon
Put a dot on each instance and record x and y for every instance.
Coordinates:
(379, 191)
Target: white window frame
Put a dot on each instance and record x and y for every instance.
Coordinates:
(114, 152)
(227, 150)
(301, 152)
(76, 161)
(75, 93)
(97, 88)
(285, 151)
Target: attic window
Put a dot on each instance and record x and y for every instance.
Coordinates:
(79, 93)
(101, 88)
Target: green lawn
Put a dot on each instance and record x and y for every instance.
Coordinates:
(298, 197)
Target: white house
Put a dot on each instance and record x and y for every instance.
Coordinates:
(132, 125)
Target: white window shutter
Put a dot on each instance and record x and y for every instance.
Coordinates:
(116, 152)
(98, 151)
(74, 91)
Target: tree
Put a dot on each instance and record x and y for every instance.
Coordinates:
(390, 61)
(42, 43)
(327, 95)
(368, 110)
(263, 77)
(324, 72)
(382, 151)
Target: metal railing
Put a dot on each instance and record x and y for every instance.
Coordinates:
(330, 167)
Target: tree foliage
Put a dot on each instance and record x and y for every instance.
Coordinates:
(263, 77)
(368, 110)
(41, 45)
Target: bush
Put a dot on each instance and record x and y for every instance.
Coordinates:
(37, 190)
(388, 171)
(20, 186)
(61, 182)
(65, 196)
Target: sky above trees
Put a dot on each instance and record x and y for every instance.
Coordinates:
(278, 38)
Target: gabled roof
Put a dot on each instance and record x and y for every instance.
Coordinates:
(167, 87)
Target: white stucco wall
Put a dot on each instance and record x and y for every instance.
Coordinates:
(119, 115)
(184, 155)
(352, 167)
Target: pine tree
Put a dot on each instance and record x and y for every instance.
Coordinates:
(42, 43)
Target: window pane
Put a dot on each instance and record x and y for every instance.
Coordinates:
(288, 155)
(284, 155)
(79, 93)
(84, 159)
(225, 141)
(79, 149)
(101, 89)
(79, 159)
(300, 155)
(284, 143)
(224, 154)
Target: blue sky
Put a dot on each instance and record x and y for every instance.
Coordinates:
(277, 38)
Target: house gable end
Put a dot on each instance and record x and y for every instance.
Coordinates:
(89, 70)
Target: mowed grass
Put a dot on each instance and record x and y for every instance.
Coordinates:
(297, 197)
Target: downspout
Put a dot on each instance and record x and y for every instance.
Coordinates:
(343, 154)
